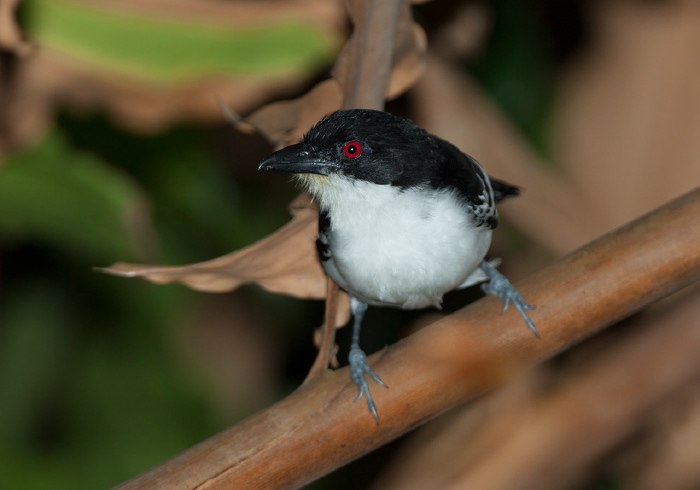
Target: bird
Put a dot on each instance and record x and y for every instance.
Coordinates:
(404, 217)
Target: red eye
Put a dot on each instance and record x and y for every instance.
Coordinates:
(352, 149)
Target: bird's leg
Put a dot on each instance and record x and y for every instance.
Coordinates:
(501, 287)
(358, 359)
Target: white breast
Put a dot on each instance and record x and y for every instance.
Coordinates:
(401, 248)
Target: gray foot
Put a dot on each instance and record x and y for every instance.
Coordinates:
(358, 370)
(499, 286)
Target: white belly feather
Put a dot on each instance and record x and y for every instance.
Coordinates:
(399, 247)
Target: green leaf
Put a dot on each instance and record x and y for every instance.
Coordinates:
(517, 67)
(175, 50)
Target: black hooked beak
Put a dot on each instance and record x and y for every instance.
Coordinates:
(296, 159)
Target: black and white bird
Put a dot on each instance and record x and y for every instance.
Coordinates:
(405, 216)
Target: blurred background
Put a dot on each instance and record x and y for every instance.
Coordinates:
(114, 147)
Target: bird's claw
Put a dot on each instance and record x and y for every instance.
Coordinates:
(501, 287)
(358, 370)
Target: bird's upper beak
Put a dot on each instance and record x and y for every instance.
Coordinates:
(296, 159)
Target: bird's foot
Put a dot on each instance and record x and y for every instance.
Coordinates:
(358, 370)
(501, 287)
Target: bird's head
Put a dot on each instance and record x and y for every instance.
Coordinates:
(359, 144)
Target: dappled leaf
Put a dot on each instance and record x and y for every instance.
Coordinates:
(185, 42)
(150, 64)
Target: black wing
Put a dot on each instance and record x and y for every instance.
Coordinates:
(461, 172)
(322, 247)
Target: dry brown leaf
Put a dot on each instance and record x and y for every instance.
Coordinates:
(364, 64)
(409, 59)
(285, 122)
(282, 262)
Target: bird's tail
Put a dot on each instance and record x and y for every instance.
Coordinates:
(503, 190)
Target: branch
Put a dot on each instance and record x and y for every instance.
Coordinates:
(318, 428)
(605, 401)
(364, 68)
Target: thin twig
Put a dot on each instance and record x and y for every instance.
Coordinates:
(326, 334)
(364, 68)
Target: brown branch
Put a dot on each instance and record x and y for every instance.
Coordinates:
(325, 335)
(318, 428)
(604, 402)
(364, 68)
(619, 400)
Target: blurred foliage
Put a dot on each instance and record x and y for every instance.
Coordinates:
(94, 385)
(67, 200)
(517, 66)
(167, 49)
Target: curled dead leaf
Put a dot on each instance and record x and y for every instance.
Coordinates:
(282, 262)
(283, 123)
